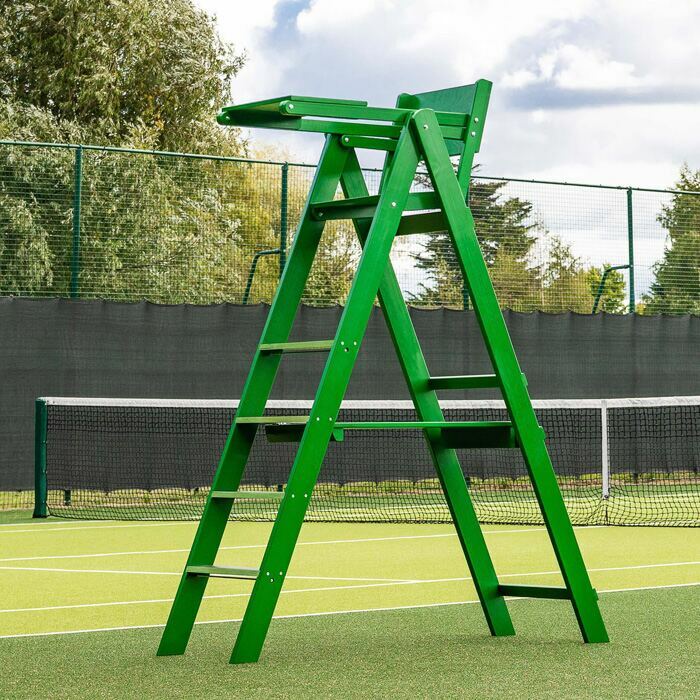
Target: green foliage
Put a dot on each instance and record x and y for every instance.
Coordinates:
(512, 240)
(676, 286)
(125, 70)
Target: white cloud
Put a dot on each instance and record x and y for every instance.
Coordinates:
(583, 89)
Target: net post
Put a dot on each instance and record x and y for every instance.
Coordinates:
(604, 449)
(40, 486)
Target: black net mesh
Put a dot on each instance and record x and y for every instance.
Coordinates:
(156, 461)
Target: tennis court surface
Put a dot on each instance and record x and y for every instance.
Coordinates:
(367, 610)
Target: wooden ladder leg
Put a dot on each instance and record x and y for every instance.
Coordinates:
(500, 349)
(427, 406)
(253, 400)
(329, 396)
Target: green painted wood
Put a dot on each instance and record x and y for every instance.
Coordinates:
(222, 571)
(377, 425)
(422, 138)
(365, 207)
(433, 222)
(294, 433)
(253, 399)
(475, 381)
(449, 470)
(273, 104)
(242, 495)
(535, 592)
(303, 346)
(273, 420)
(503, 359)
(368, 143)
(271, 120)
(331, 390)
(301, 106)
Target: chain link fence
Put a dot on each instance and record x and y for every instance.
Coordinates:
(126, 225)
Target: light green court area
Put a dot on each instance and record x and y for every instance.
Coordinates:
(416, 629)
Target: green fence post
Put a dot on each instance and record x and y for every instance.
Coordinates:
(630, 249)
(40, 488)
(283, 217)
(77, 196)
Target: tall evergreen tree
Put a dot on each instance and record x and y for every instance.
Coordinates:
(676, 285)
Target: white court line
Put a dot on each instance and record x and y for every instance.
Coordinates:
(99, 527)
(299, 544)
(326, 613)
(174, 573)
(43, 522)
(383, 583)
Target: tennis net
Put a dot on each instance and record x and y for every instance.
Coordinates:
(618, 461)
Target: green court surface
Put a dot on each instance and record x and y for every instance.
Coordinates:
(367, 611)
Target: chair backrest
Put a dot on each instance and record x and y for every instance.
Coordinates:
(467, 99)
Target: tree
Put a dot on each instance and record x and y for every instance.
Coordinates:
(568, 285)
(676, 285)
(125, 70)
(507, 234)
(513, 243)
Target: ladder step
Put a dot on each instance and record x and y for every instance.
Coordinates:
(535, 592)
(303, 346)
(365, 207)
(456, 434)
(272, 495)
(274, 420)
(475, 381)
(223, 571)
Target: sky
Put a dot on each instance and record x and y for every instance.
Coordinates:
(584, 90)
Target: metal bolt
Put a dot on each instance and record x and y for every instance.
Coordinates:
(425, 126)
(346, 139)
(318, 418)
(292, 495)
(291, 106)
(320, 214)
(354, 342)
(342, 342)
(280, 573)
(476, 120)
(306, 495)
(393, 204)
(473, 133)
(330, 420)
(267, 573)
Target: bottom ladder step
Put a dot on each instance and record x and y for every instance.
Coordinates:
(223, 571)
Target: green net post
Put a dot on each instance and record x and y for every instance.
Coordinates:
(40, 489)
(77, 202)
(630, 249)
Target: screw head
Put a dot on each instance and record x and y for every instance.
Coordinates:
(425, 126)
(393, 204)
(476, 120)
(291, 106)
(473, 133)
